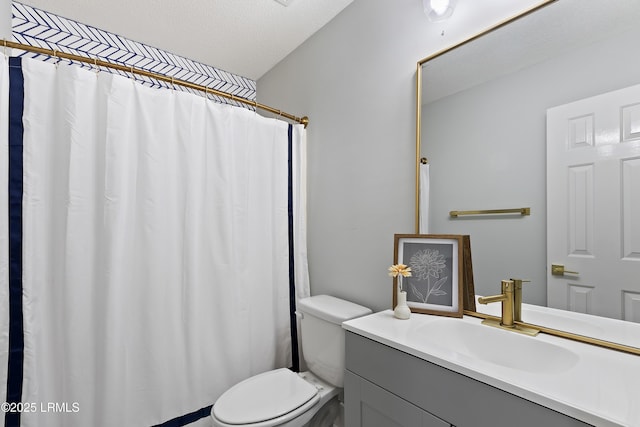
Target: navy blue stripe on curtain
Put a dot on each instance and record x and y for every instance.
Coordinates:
(16, 332)
(188, 418)
(295, 358)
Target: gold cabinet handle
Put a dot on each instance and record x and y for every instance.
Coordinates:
(558, 270)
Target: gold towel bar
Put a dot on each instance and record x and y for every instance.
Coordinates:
(521, 211)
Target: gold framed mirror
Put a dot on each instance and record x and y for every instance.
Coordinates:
(443, 77)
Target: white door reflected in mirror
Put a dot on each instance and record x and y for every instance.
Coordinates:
(593, 204)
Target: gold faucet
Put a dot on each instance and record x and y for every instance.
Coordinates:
(507, 299)
(511, 298)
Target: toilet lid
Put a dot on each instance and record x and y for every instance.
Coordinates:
(263, 397)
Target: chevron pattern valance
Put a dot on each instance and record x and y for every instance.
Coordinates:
(36, 27)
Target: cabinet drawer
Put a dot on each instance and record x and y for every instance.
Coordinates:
(367, 405)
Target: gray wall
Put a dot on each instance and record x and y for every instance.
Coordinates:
(355, 79)
(5, 20)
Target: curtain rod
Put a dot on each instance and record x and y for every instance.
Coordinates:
(100, 63)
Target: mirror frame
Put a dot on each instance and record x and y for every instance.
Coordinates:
(421, 160)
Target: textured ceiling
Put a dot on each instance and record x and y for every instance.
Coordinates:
(244, 37)
(562, 26)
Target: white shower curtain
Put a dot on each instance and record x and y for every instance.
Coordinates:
(424, 198)
(156, 236)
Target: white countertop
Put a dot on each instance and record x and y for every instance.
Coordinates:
(601, 387)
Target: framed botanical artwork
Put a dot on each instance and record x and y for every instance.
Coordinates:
(441, 280)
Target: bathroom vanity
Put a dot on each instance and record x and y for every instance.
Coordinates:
(433, 371)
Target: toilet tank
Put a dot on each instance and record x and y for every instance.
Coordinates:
(322, 335)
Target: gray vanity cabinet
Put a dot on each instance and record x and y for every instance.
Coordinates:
(387, 387)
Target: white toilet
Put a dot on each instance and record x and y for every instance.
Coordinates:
(284, 398)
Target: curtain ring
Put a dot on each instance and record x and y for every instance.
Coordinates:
(5, 46)
(55, 57)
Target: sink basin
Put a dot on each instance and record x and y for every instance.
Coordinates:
(497, 346)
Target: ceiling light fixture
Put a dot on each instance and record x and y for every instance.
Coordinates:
(438, 10)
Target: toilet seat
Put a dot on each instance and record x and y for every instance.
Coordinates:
(270, 398)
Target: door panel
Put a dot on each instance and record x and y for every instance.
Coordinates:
(593, 204)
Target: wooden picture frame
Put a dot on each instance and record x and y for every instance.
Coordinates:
(441, 279)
